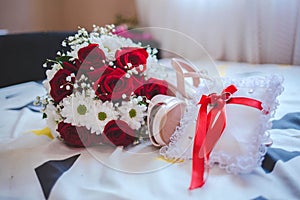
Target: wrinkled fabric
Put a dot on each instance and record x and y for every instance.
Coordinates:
(105, 172)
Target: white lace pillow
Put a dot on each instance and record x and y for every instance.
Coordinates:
(242, 145)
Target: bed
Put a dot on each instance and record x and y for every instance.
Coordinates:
(34, 166)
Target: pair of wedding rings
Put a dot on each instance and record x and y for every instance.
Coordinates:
(165, 112)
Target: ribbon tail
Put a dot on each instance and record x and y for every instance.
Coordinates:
(246, 102)
(214, 131)
(197, 173)
(208, 133)
(198, 161)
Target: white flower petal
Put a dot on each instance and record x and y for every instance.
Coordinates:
(133, 113)
(101, 114)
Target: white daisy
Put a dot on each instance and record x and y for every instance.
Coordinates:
(133, 113)
(74, 52)
(52, 118)
(112, 43)
(50, 74)
(76, 109)
(156, 69)
(98, 40)
(101, 114)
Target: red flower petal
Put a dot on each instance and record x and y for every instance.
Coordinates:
(117, 132)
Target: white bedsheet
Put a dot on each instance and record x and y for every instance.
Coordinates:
(107, 173)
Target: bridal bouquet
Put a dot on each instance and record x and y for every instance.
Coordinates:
(99, 88)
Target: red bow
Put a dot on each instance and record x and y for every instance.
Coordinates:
(210, 127)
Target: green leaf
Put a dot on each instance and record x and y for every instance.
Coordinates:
(62, 59)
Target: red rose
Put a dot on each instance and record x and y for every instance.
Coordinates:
(113, 84)
(117, 132)
(91, 56)
(94, 75)
(59, 86)
(77, 136)
(91, 61)
(135, 56)
(72, 67)
(152, 87)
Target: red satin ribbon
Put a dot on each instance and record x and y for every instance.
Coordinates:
(210, 127)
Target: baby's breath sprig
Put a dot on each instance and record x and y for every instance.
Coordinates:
(79, 38)
(107, 30)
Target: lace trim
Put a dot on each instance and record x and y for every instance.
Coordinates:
(172, 151)
(255, 150)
